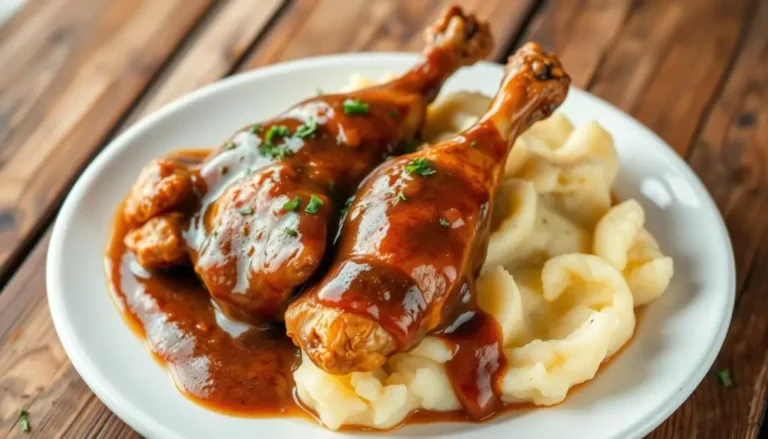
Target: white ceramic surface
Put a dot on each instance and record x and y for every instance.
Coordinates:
(677, 336)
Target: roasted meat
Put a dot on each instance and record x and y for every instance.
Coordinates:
(415, 237)
(267, 201)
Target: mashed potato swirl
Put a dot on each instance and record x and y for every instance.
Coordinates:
(563, 274)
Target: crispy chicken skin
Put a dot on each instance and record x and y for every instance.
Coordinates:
(161, 186)
(409, 247)
(158, 242)
(268, 199)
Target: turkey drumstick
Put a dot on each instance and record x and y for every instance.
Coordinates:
(268, 198)
(415, 237)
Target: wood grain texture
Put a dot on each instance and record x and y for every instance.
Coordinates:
(340, 26)
(210, 54)
(579, 32)
(70, 71)
(673, 76)
(695, 71)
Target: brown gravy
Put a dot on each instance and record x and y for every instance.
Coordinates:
(223, 365)
(239, 369)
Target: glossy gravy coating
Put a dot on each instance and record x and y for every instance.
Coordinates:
(245, 370)
(219, 363)
(240, 369)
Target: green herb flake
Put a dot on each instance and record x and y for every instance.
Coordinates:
(276, 152)
(473, 144)
(255, 129)
(247, 171)
(419, 166)
(291, 232)
(355, 106)
(276, 131)
(394, 114)
(229, 145)
(306, 130)
(400, 196)
(24, 421)
(245, 210)
(314, 205)
(444, 222)
(724, 378)
(319, 91)
(292, 205)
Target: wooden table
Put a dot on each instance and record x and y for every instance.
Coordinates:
(74, 73)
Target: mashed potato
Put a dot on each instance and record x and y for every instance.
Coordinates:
(563, 273)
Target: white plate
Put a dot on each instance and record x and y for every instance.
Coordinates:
(677, 337)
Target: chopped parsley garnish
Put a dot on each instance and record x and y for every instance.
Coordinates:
(394, 114)
(444, 222)
(276, 152)
(292, 205)
(400, 196)
(24, 420)
(314, 205)
(246, 210)
(355, 106)
(291, 232)
(473, 144)
(276, 131)
(256, 128)
(229, 145)
(305, 130)
(419, 166)
(409, 146)
(724, 378)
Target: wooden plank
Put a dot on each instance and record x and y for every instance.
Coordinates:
(668, 60)
(70, 71)
(731, 157)
(579, 32)
(660, 61)
(211, 53)
(340, 26)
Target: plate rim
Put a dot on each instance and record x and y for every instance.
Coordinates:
(149, 428)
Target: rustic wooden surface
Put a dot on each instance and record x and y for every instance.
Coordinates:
(73, 73)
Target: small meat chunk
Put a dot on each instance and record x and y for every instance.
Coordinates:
(161, 186)
(158, 243)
